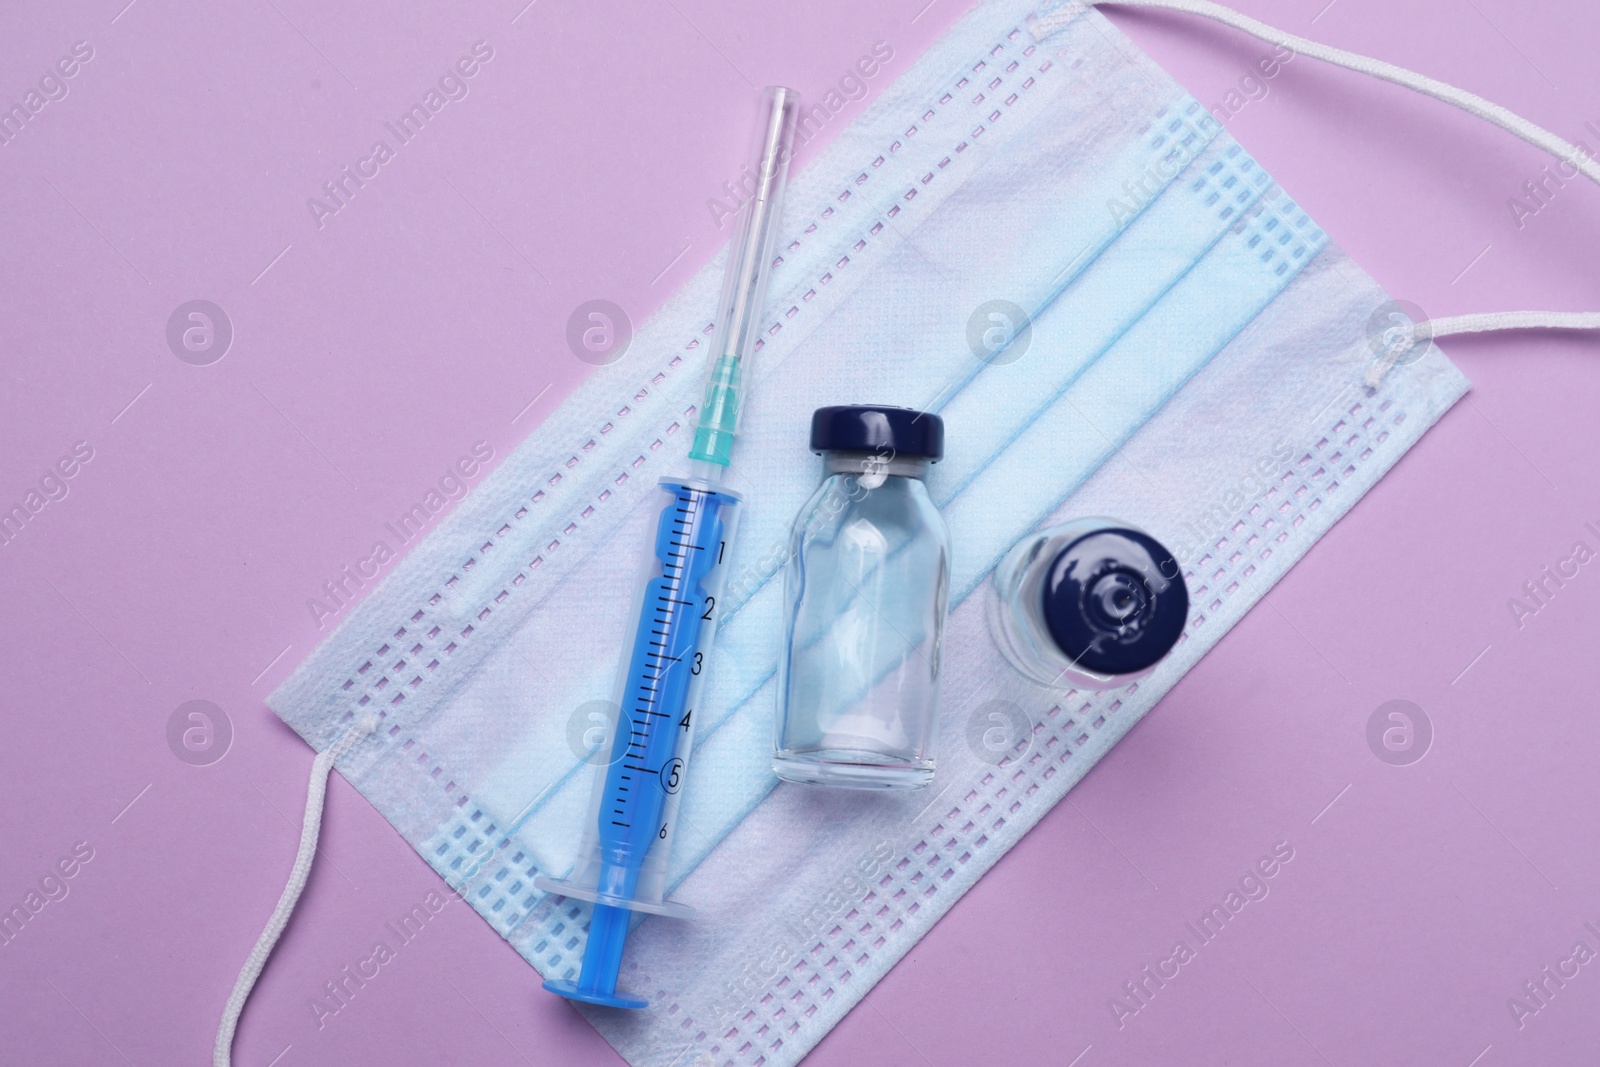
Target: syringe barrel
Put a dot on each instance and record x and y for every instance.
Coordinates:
(633, 808)
(744, 289)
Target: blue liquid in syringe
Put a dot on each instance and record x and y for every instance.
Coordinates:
(651, 746)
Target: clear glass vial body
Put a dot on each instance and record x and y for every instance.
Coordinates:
(1091, 604)
(865, 591)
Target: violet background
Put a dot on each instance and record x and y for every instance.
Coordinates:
(431, 312)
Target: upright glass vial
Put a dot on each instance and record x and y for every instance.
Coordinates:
(866, 590)
(1092, 604)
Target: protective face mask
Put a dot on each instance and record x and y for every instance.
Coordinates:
(1034, 232)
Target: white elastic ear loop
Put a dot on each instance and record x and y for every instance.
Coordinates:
(1468, 102)
(1507, 120)
(1487, 322)
(1511, 320)
(310, 828)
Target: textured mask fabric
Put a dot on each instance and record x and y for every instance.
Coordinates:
(1195, 361)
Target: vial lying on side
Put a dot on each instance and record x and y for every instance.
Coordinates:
(866, 590)
(1095, 603)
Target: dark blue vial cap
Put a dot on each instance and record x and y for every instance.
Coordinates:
(876, 428)
(1115, 601)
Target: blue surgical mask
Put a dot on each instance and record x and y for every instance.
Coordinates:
(1115, 310)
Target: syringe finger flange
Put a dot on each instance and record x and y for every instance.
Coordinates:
(670, 909)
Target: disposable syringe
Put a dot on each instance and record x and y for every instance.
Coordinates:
(622, 859)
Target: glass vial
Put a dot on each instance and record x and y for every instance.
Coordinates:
(865, 591)
(1092, 604)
